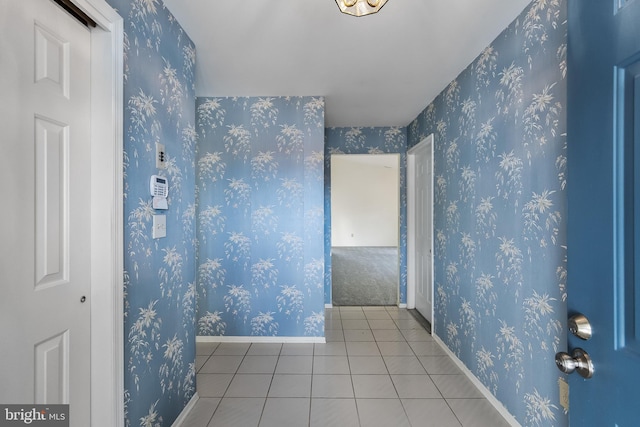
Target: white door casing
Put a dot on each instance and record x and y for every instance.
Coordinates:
(420, 228)
(49, 141)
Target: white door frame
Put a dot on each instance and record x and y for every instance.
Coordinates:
(107, 229)
(411, 222)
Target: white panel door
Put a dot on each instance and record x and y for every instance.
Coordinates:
(423, 200)
(45, 226)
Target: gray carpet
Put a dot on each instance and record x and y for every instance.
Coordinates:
(364, 275)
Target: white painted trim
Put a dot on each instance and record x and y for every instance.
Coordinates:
(285, 340)
(186, 411)
(399, 224)
(328, 306)
(411, 220)
(481, 387)
(402, 305)
(107, 229)
(411, 237)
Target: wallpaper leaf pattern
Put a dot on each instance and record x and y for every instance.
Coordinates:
(160, 280)
(363, 140)
(500, 212)
(260, 216)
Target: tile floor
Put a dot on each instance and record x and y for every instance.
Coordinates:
(379, 367)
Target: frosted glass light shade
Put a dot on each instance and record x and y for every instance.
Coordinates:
(360, 7)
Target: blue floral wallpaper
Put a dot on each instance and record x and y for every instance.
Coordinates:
(159, 323)
(261, 237)
(500, 212)
(359, 140)
(260, 216)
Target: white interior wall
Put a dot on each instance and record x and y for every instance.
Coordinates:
(365, 199)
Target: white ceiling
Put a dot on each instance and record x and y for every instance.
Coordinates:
(377, 70)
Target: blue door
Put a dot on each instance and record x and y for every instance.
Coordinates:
(604, 207)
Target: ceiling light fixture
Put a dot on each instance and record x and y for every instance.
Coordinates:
(360, 7)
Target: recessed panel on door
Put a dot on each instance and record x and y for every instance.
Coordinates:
(51, 59)
(51, 149)
(52, 370)
(627, 223)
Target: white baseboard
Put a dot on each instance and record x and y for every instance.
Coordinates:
(484, 390)
(251, 339)
(328, 306)
(402, 305)
(185, 412)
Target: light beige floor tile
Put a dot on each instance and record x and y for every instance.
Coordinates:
(331, 386)
(334, 413)
(413, 335)
(373, 387)
(352, 315)
(200, 361)
(367, 365)
(232, 349)
(362, 349)
(347, 381)
(330, 365)
(264, 349)
(290, 386)
(408, 324)
(415, 386)
(395, 348)
(333, 323)
(355, 324)
(294, 365)
(358, 335)
(258, 365)
(249, 385)
(439, 365)
(213, 385)
(404, 365)
(330, 349)
(476, 413)
(221, 365)
(290, 412)
(297, 349)
(202, 412)
(381, 413)
(430, 413)
(244, 412)
(388, 335)
(333, 335)
(427, 348)
(377, 314)
(456, 386)
(383, 324)
(206, 348)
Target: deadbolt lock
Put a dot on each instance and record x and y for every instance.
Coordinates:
(580, 327)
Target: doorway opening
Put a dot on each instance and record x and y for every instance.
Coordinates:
(365, 212)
